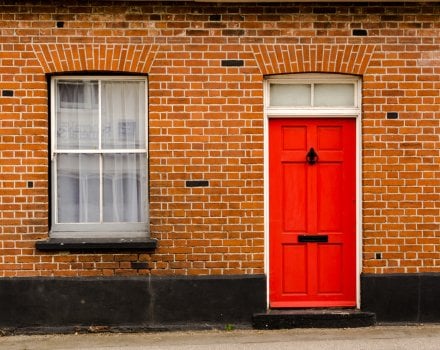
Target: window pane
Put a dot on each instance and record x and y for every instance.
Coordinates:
(123, 115)
(334, 95)
(124, 188)
(78, 188)
(290, 95)
(77, 114)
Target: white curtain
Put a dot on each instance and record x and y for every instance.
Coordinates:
(77, 116)
(119, 175)
(122, 105)
(78, 188)
(123, 188)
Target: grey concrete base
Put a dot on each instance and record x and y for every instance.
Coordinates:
(313, 318)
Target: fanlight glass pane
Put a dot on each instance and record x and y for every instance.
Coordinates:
(334, 95)
(294, 95)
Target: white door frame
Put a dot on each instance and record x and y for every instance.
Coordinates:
(315, 112)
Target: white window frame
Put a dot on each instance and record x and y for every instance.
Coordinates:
(122, 230)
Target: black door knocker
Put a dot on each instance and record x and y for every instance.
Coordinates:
(312, 156)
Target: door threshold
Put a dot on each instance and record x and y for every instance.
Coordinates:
(313, 318)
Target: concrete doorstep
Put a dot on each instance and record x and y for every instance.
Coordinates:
(313, 318)
(425, 337)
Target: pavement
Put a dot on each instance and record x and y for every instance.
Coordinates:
(371, 338)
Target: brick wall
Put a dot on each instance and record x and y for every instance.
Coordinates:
(206, 123)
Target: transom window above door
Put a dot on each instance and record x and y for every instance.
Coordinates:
(312, 95)
(312, 91)
(99, 156)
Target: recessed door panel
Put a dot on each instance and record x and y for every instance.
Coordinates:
(294, 264)
(330, 186)
(330, 279)
(312, 212)
(330, 138)
(294, 181)
(294, 137)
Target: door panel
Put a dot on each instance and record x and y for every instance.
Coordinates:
(294, 138)
(294, 264)
(294, 197)
(330, 137)
(329, 184)
(329, 268)
(316, 202)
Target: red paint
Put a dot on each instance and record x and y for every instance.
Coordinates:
(317, 199)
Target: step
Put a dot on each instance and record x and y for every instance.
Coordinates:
(313, 318)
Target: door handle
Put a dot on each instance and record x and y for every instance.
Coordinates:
(313, 238)
(312, 156)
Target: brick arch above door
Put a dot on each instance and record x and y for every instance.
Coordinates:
(285, 58)
(127, 58)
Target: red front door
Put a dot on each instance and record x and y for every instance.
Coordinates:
(312, 210)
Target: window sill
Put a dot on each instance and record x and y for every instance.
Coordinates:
(103, 244)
